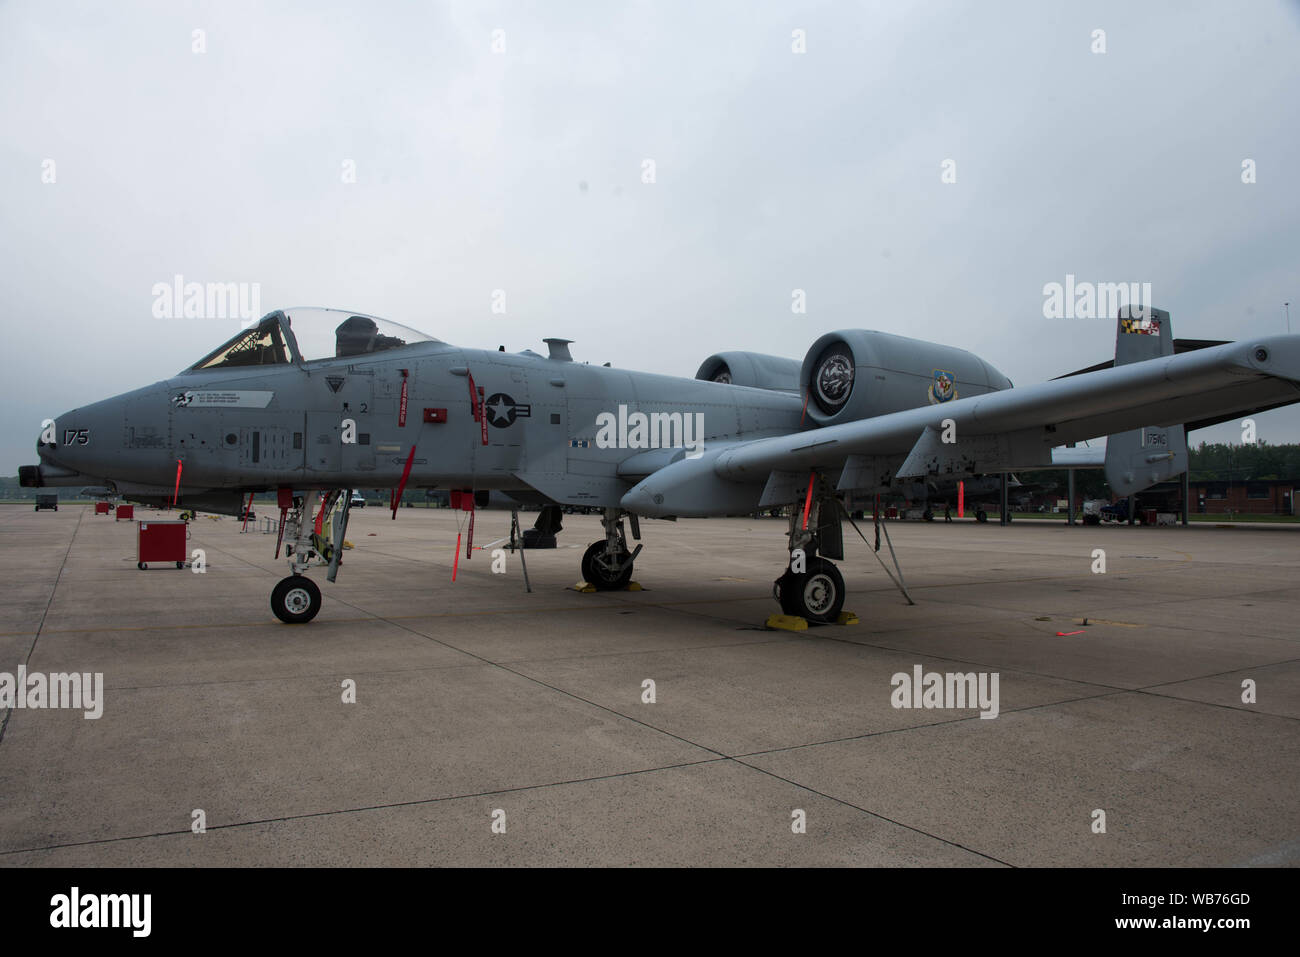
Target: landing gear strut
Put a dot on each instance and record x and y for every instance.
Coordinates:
(811, 587)
(608, 564)
(296, 599)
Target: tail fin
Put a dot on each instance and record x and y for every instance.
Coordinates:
(1139, 459)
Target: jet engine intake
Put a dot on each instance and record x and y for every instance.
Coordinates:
(753, 369)
(859, 373)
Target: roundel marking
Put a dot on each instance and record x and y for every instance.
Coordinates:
(502, 410)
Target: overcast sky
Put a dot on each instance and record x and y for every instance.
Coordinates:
(522, 171)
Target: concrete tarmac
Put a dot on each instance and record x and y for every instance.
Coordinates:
(478, 702)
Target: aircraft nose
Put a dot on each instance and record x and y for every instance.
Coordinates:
(123, 439)
(83, 440)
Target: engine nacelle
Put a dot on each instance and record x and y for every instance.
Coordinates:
(753, 369)
(858, 373)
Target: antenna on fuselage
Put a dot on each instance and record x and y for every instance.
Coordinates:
(559, 349)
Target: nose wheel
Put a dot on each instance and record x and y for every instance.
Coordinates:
(295, 600)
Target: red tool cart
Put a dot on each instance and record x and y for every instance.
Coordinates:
(124, 511)
(160, 542)
(102, 508)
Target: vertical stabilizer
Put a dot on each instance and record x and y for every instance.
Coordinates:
(1139, 459)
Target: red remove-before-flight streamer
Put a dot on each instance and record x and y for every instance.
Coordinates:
(177, 494)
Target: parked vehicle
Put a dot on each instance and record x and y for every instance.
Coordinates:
(1092, 511)
(1118, 512)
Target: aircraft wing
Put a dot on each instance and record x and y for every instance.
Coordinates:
(996, 432)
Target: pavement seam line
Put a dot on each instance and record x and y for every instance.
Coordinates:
(4, 725)
(308, 815)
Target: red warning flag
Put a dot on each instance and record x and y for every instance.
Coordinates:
(807, 502)
(401, 486)
(177, 494)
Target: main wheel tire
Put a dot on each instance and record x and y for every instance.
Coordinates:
(981, 516)
(295, 600)
(816, 594)
(928, 515)
(596, 572)
(1009, 515)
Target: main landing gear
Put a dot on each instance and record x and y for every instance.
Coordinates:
(815, 594)
(812, 588)
(607, 564)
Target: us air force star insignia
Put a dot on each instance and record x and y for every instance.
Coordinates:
(502, 410)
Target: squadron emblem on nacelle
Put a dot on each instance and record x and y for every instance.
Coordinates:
(944, 387)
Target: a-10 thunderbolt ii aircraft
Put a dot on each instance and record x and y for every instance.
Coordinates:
(311, 403)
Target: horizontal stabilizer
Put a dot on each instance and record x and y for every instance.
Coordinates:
(1138, 460)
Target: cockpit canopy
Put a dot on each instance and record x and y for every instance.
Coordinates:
(307, 335)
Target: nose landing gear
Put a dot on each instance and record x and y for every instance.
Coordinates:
(296, 599)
